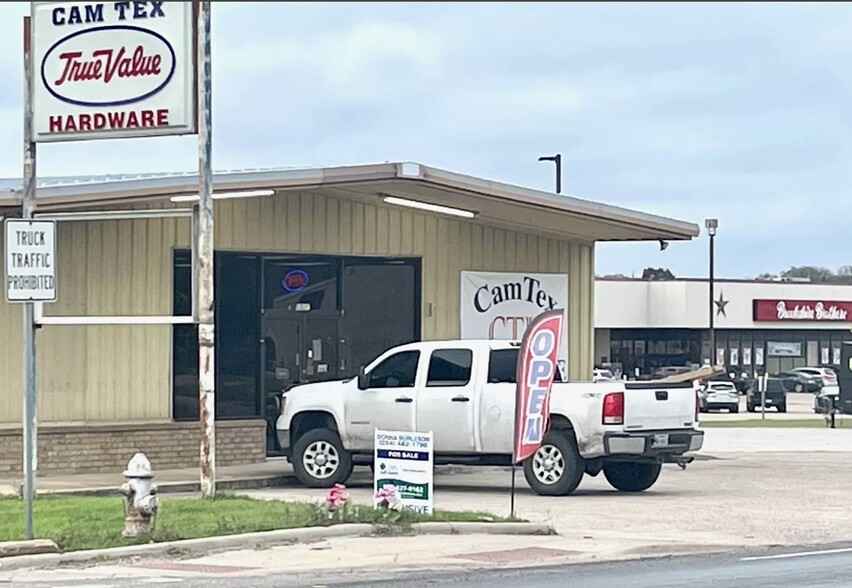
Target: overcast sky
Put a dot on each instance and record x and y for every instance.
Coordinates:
(738, 111)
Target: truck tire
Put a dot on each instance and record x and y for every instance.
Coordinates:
(631, 476)
(782, 407)
(751, 408)
(556, 468)
(320, 460)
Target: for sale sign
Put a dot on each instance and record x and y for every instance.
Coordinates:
(30, 268)
(536, 371)
(404, 461)
(112, 69)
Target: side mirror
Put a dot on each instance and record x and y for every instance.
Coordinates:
(362, 379)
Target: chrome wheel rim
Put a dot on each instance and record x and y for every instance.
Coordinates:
(321, 460)
(548, 464)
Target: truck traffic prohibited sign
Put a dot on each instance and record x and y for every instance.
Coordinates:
(30, 260)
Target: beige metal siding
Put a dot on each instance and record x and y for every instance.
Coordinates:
(109, 373)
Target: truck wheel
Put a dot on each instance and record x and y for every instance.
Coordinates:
(319, 459)
(751, 408)
(782, 407)
(631, 476)
(735, 408)
(556, 468)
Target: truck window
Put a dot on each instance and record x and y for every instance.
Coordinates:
(397, 371)
(449, 367)
(503, 367)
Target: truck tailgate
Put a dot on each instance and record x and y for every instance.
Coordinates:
(658, 405)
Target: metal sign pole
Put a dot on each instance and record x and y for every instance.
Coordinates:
(204, 246)
(28, 206)
(763, 396)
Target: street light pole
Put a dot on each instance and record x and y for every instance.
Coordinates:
(712, 224)
(557, 159)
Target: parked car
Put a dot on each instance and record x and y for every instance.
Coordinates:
(742, 384)
(775, 395)
(464, 392)
(721, 395)
(799, 382)
(823, 400)
(823, 374)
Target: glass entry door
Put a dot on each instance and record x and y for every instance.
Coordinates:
(297, 348)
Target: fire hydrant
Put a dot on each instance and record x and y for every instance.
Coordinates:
(140, 497)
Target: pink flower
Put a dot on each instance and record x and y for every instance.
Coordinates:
(386, 493)
(336, 496)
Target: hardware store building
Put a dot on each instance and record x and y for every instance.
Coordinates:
(317, 271)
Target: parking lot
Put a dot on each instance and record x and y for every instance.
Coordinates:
(799, 406)
(753, 487)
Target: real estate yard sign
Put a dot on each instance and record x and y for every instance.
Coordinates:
(405, 461)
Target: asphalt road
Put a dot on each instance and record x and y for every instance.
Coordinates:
(826, 568)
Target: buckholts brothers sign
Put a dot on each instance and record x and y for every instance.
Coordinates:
(498, 305)
(112, 69)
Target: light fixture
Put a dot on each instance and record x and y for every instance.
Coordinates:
(430, 207)
(222, 195)
(711, 224)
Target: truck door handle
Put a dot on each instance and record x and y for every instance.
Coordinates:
(403, 399)
(461, 399)
(662, 395)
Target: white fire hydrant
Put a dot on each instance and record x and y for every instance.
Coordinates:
(140, 497)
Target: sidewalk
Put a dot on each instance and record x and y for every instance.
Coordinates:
(272, 472)
(366, 559)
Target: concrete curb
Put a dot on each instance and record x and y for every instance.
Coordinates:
(206, 546)
(31, 547)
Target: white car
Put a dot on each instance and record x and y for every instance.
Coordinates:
(826, 375)
(721, 395)
(464, 392)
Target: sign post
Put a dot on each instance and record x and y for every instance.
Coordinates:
(30, 421)
(30, 276)
(107, 71)
(204, 261)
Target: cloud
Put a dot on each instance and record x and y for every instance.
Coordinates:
(732, 110)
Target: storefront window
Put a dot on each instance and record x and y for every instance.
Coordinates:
(236, 314)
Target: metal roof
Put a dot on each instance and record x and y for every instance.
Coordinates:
(495, 201)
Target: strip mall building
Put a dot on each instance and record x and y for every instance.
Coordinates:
(317, 271)
(763, 326)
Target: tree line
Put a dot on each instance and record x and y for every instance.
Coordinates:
(813, 273)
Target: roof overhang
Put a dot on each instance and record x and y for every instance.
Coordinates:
(493, 203)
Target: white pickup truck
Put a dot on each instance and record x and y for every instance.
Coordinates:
(464, 391)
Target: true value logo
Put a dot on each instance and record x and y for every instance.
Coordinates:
(804, 312)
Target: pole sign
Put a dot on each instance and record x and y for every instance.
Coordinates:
(30, 264)
(536, 370)
(405, 461)
(106, 70)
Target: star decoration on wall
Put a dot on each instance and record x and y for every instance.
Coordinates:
(720, 305)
